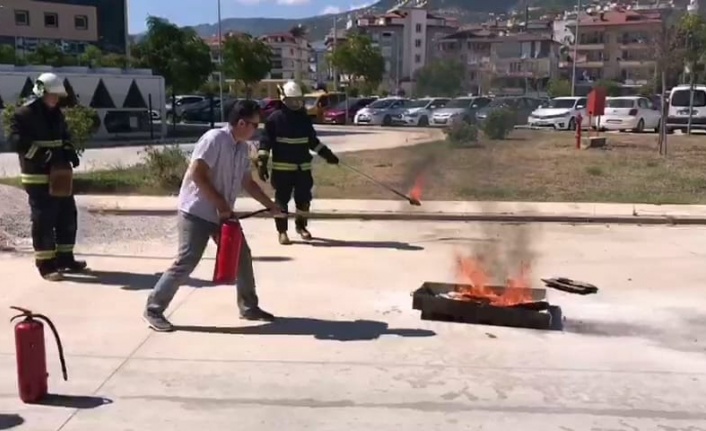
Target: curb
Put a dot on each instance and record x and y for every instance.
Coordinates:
(450, 217)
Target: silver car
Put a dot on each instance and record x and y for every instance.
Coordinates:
(381, 112)
(459, 109)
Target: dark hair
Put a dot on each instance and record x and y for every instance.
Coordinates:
(243, 110)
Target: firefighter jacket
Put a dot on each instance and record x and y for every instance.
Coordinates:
(40, 137)
(291, 137)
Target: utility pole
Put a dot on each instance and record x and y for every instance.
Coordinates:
(692, 70)
(335, 42)
(220, 61)
(576, 44)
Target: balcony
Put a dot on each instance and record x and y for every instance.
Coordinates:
(518, 67)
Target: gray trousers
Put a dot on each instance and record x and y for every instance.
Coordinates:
(194, 234)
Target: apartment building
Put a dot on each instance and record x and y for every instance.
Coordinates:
(70, 24)
(501, 62)
(407, 38)
(615, 45)
(292, 57)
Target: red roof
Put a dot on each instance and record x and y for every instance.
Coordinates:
(620, 18)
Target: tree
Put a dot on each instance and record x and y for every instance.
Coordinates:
(442, 78)
(7, 54)
(246, 59)
(177, 54)
(559, 88)
(360, 60)
(48, 54)
(91, 57)
(612, 88)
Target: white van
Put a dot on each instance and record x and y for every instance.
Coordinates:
(678, 113)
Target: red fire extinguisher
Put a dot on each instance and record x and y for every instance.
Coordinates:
(230, 242)
(32, 376)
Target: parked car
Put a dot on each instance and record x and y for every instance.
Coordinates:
(418, 112)
(181, 103)
(628, 113)
(521, 107)
(560, 113)
(381, 112)
(459, 109)
(317, 103)
(268, 106)
(203, 114)
(337, 114)
(679, 102)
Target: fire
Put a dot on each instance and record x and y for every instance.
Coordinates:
(475, 283)
(417, 188)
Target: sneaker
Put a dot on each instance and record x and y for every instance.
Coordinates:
(157, 321)
(284, 239)
(257, 314)
(74, 267)
(304, 233)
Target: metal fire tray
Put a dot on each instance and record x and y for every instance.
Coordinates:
(538, 314)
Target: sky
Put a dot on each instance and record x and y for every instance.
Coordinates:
(193, 12)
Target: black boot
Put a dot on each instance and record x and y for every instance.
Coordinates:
(67, 263)
(49, 270)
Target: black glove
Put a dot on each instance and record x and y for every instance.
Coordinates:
(262, 172)
(328, 155)
(72, 157)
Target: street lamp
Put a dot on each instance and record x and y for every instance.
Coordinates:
(220, 61)
(576, 44)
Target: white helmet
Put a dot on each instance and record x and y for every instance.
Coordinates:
(49, 83)
(291, 89)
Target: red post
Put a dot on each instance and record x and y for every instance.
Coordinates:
(579, 120)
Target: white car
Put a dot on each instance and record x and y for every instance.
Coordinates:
(380, 112)
(418, 112)
(628, 113)
(560, 113)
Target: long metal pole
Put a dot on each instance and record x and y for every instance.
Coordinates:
(220, 61)
(576, 44)
(335, 41)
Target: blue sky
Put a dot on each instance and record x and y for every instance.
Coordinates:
(192, 12)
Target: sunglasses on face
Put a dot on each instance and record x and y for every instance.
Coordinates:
(255, 124)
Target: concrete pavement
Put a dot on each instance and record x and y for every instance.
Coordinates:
(566, 212)
(351, 353)
(341, 139)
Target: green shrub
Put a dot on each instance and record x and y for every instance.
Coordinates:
(165, 167)
(461, 133)
(499, 124)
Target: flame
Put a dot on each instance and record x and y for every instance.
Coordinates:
(475, 283)
(418, 188)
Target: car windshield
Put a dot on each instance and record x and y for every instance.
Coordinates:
(562, 103)
(620, 103)
(459, 103)
(310, 102)
(421, 103)
(382, 103)
(681, 98)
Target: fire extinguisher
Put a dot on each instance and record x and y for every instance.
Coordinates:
(32, 376)
(230, 242)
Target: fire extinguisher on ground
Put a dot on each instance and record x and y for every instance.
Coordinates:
(32, 375)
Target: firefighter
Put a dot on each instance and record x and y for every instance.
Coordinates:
(290, 135)
(39, 135)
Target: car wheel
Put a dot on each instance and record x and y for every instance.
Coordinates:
(572, 124)
(423, 122)
(387, 120)
(640, 126)
(658, 126)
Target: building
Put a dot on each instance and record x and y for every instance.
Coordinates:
(121, 97)
(70, 24)
(407, 38)
(292, 57)
(501, 62)
(615, 45)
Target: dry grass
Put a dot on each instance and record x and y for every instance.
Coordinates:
(532, 166)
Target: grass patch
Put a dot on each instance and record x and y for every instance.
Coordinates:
(530, 166)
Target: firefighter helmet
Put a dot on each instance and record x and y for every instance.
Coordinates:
(49, 83)
(292, 95)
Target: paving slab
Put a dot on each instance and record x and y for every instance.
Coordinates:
(349, 352)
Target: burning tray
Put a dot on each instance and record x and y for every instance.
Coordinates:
(442, 301)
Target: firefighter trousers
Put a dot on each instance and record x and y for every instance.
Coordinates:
(54, 225)
(297, 183)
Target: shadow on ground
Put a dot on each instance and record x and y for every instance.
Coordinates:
(328, 242)
(10, 421)
(74, 401)
(128, 280)
(170, 258)
(338, 330)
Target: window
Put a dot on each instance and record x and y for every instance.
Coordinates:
(81, 22)
(51, 19)
(417, 43)
(417, 58)
(418, 28)
(22, 17)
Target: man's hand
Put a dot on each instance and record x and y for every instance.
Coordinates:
(72, 157)
(328, 155)
(277, 212)
(262, 171)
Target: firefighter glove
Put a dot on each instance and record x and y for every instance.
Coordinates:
(328, 155)
(72, 157)
(262, 168)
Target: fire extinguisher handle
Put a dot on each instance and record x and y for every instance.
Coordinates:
(59, 346)
(24, 311)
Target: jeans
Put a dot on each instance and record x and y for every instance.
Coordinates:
(194, 234)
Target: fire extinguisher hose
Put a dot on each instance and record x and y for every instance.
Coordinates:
(29, 315)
